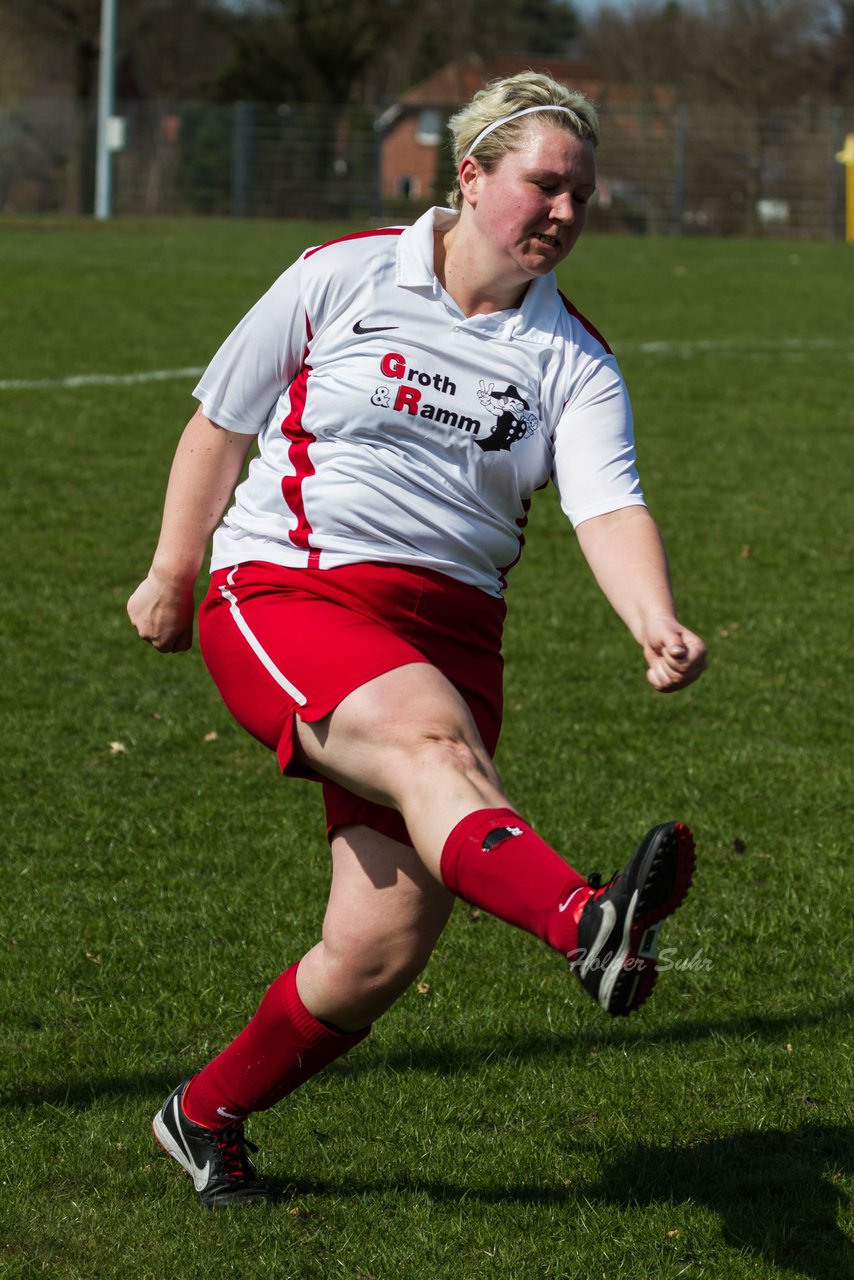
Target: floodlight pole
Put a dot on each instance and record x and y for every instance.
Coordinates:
(106, 108)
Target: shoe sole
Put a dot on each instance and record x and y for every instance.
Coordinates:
(667, 860)
(166, 1141)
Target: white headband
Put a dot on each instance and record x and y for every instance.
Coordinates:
(496, 124)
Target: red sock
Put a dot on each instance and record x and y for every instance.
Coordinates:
(494, 860)
(282, 1046)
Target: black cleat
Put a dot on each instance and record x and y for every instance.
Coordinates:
(615, 960)
(216, 1160)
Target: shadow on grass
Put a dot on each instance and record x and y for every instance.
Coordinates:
(777, 1192)
(617, 1033)
(446, 1059)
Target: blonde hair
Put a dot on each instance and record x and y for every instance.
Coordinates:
(503, 98)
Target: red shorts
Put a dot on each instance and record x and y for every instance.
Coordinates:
(283, 642)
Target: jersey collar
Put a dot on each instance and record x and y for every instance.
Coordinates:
(415, 271)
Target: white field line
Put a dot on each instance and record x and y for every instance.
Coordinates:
(742, 346)
(683, 350)
(98, 379)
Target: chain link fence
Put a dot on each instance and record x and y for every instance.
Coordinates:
(722, 171)
(690, 170)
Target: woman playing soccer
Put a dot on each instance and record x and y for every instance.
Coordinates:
(409, 390)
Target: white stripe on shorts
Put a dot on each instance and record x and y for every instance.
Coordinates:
(257, 648)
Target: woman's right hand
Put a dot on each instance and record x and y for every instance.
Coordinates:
(162, 613)
(205, 469)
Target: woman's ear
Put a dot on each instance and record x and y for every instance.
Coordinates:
(469, 173)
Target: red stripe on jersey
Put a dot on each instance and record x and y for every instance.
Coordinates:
(521, 524)
(355, 235)
(298, 456)
(591, 329)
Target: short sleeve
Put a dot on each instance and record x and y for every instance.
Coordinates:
(258, 359)
(594, 467)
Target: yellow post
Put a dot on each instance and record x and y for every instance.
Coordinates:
(846, 157)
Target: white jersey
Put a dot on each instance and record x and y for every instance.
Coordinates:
(393, 428)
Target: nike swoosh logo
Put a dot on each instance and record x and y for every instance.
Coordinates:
(609, 919)
(227, 1115)
(563, 905)
(615, 967)
(197, 1173)
(358, 327)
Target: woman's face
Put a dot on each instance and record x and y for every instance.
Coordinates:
(532, 207)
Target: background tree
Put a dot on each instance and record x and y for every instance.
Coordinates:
(835, 54)
(165, 49)
(369, 51)
(751, 57)
(750, 53)
(747, 63)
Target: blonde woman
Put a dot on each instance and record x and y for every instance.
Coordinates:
(409, 389)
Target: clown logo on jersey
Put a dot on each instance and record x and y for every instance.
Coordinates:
(514, 419)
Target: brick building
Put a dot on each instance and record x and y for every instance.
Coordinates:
(412, 130)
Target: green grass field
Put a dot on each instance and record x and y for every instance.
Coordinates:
(157, 873)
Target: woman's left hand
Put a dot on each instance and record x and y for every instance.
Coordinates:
(675, 656)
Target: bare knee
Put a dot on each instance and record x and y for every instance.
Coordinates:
(417, 763)
(445, 749)
(403, 733)
(364, 966)
(384, 916)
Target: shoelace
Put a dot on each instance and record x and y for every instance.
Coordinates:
(595, 880)
(234, 1146)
